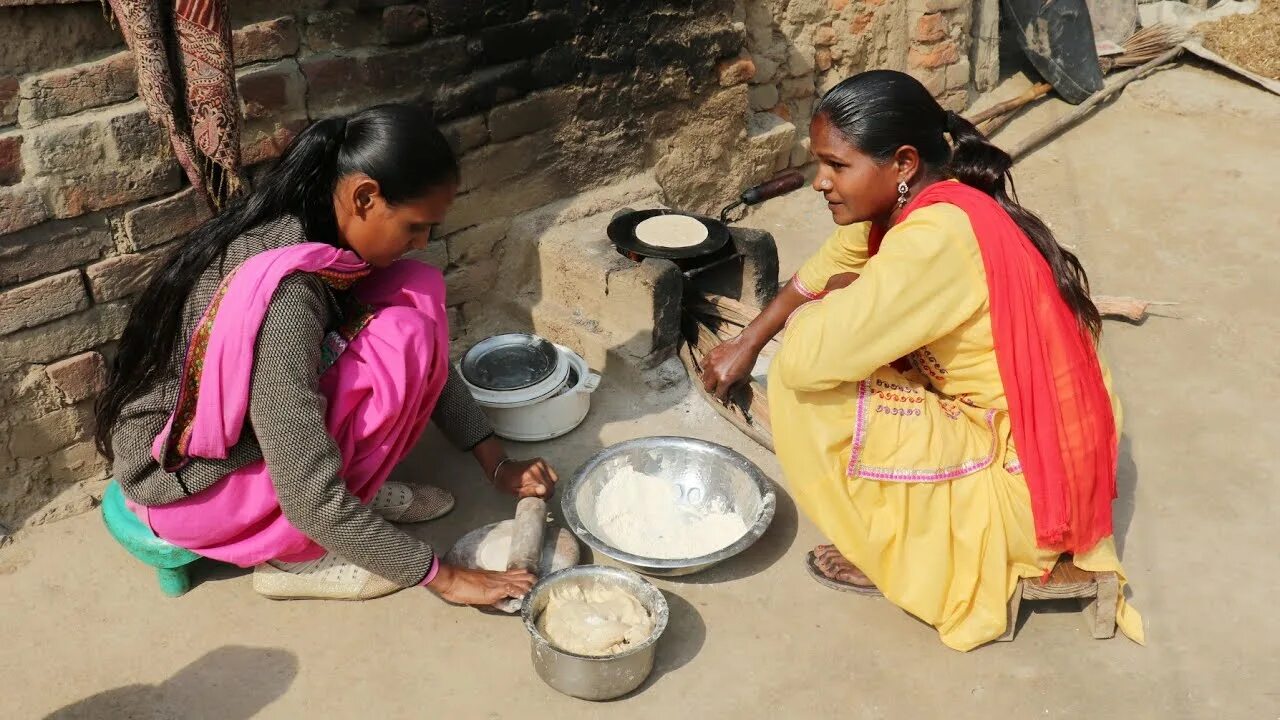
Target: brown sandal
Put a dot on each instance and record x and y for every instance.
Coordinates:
(811, 564)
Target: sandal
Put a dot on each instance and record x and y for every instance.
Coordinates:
(811, 564)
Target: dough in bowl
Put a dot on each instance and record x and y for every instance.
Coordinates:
(671, 231)
(594, 621)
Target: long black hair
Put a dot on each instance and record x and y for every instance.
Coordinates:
(397, 145)
(880, 111)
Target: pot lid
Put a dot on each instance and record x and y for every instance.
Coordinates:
(513, 361)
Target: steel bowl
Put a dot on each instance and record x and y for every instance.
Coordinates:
(583, 676)
(700, 472)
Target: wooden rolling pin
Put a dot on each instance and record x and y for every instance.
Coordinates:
(527, 531)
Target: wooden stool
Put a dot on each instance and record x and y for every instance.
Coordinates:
(1098, 593)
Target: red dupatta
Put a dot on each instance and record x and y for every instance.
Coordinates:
(1059, 408)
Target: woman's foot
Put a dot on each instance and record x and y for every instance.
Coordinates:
(326, 578)
(832, 569)
(403, 503)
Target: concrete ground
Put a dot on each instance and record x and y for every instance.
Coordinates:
(1168, 194)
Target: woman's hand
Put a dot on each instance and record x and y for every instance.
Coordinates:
(727, 365)
(526, 478)
(479, 587)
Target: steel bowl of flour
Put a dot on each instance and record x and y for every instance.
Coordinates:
(669, 506)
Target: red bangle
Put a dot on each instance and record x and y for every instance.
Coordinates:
(431, 574)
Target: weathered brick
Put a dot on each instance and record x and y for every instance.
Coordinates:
(348, 81)
(838, 5)
(501, 161)
(52, 246)
(471, 282)
(482, 90)
(123, 275)
(9, 99)
(824, 36)
(62, 338)
(161, 221)
(109, 187)
(267, 139)
(10, 159)
(931, 28)
(524, 39)
(341, 29)
(39, 302)
(959, 74)
(79, 378)
(136, 138)
(268, 90)
(266, 40)
(822, 59)
(941, 5)
(434, 254)
(782, 111)
(488, 203)
(450, 16)
(66, 147)
(405, 23)
(20, 207)
(530, 114)
(933, 56)
(556, 66)
(476, 244)
(736, 71)
(46, 434)
(763, 97)
(796, 88)
(78, 463)
(69, 90)
(861, 22)
(467, 133)
(933, 79)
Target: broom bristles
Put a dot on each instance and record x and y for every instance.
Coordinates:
(1148, 43)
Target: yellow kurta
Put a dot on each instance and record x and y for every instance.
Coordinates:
(912, 476)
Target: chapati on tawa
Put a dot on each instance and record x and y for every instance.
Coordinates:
(671, 231)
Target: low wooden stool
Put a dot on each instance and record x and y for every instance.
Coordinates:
(1098, 593)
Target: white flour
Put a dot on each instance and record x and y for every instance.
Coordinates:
(638, 513)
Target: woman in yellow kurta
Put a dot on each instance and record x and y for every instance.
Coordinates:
(888, 405)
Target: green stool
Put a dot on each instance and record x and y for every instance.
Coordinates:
(170, 561)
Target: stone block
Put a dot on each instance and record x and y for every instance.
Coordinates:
(39, 302)
(943, 5)
(476, 244)
(79, 378)
(11, 169)
(530, 114)
(164, 220)
(930, 28)
(70, 90)
(838, 5)
(933, 56)
(494, 163)
(823, 59)
(524, 38)
(800, 60)
(824, 36)
(20, 207)
(763, 97)
(39, 437)
(347, 81)
(9, 99)
(736, 71)
(858, 26)
(483, 89)
(434, 254)
(62, 338)
(796, 88)
(452, 16)
(466, 134)
(958, 75)
(488, 203)
(80, 462)
(267, 139)
(800, 153)
(52, 246)
(933, 79)
(766, 69)
(405, 23)
(266, 40)
(267, 91)
(123, 275)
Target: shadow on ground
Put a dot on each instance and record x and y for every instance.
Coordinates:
(230, 683)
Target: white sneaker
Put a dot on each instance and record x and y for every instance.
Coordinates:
(326, 578)
(403, 503)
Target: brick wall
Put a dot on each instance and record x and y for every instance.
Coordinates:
(542, 99)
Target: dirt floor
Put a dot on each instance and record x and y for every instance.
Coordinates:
(1168, 194)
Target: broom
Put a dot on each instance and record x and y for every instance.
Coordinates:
(1141, 47)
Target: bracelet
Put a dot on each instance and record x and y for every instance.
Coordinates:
(498, 469)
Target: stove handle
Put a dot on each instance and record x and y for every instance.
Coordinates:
(772, 188)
